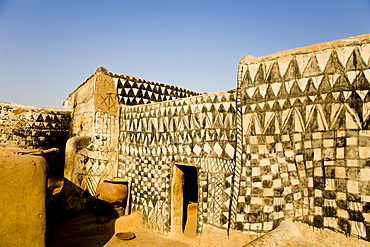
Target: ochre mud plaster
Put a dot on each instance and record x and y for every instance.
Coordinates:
(106, 99)
(303, 138)
(23, 195)
(290, 142)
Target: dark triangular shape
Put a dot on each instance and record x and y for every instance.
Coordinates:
(270, 129)
(276, 106)
(221, 108)
(340, 123)
(139, 94)
(360, 82)
(146, 95)
(223, 99)
(318, 99)
(204, 109)
(257, 108)
(244, 98)
(325, 86)
(149, 87)
(307, 101)
(260, 76)
(131, 93)
(312, 68)
(134, 84)
(247, 80)
(310, 88)
(182, 111)
(289, 124)
(270, 93)
(297, 103)
(295, 91)
(212, 108)
(257, 96)
(312, 124)
(274, 75)
(142, 86)
(333, 65)
(215, 99)
(342, 84)
(156, 89)
(207, 100)
(327, 111)
(261, 118)
(134, 101)
(292, 71)
(355, 61)
(355, 102)
(127, 84)
(266, 107)
(286, 105)
(282, 92)
(119, 84)
(248, 109)
(153, 98)
(40, 118)
(329, 98)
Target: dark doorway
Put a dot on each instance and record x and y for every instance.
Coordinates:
(184, 202)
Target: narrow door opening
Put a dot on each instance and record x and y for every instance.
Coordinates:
(184, 201)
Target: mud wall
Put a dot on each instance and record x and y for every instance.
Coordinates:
(36, 128)
(94, 108)
(303, 138)
(23, 195)
(135, 91)
(153, 138)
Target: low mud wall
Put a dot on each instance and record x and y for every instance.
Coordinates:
(23, 195)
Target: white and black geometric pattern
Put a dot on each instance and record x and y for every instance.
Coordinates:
(303, 116)
(198, 131)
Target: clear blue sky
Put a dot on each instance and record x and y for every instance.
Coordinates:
(49, 47)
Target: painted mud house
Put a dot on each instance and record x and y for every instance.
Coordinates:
(291, 141)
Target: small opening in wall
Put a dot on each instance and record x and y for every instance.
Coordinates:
(184, 201)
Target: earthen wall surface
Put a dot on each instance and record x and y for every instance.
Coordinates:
(197, 131)
(23, 196)
(303, 138)
(36, 128)
(291, 142)
(94, 108)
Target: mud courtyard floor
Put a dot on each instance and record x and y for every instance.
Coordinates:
(82, 230)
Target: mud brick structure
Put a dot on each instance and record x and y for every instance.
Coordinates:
(290, 142)
(303, 142)
(36, 128)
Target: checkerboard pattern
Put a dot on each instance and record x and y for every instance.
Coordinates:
(304, 140)
(198, 131)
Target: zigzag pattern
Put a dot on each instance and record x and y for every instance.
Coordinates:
(302, 116)
(135, 91)
(199, 131)
(182, 129)
(330, 92)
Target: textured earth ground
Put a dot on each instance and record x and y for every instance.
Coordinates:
(82, 230)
